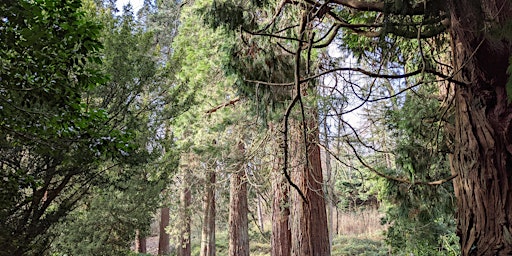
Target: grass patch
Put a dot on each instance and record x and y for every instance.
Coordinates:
(345, 246)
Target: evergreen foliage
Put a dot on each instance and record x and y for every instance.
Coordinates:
(78, 119)
(107, 116)
(138, 94)
(52, 140)
(421, 217)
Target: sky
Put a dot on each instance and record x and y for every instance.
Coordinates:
(137, 4)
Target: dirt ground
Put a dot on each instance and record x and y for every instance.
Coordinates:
(151, 245)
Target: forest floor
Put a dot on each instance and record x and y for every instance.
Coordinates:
(152, 245)
(358, 233)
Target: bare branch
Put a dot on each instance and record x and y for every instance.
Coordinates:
(225, 104)
(397, 179)
(296, 99)
(384, 6)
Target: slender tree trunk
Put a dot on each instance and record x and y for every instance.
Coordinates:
(336, 221)
(260, 214)
(163, 240)
(208, 232)
(329, 182)
(310, 236)
(184, 248)
(483, 129)
(238, 209)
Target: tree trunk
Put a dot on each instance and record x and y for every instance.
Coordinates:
(208, 232)
(281, 235)
(329, 183)
(483, 130)
(260, 214)
(310, 236)
(280, 240)
(163, 240)
(140, 242)
(184, 248)
(238, 209)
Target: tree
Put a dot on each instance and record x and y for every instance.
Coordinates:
(205, 131)
(421, 217)
(53, 141)
(479, 73)
(238, 209)
(163, 239)
(281, 232)
(308, 211)
(263, 69)
(208, 230)
(481, 156)
(126, 197)
(140, 242)
(186, 167)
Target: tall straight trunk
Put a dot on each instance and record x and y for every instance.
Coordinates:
(483, 129)
(184, 248)
(281, 234)
(310, 236)
(329, 184)
(163, 240)
(140, 242)
(260, 214)
(238, 210)
(208, 232)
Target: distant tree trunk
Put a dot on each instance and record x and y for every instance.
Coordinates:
(140, 242)
(310, 236)
(208, 232)
(184, 248)
(238, 209)
(163, 240)
(260, 214)
(329, 184)
(483, 125)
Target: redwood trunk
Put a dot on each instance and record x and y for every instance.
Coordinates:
(238, 209)
(184, 248)
(310, 236)
(281, 235)
(163, 240)
(483, 136)
(208, 232)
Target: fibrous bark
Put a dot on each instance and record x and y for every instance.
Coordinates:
(281, 234)
(184, 248)
(208, 232)
(310, 235)
(163, 240)
(483, 130)
(238, 209)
